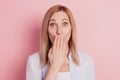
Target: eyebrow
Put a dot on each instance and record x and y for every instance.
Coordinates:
(52, 20)
(65, 19)
(62, 19)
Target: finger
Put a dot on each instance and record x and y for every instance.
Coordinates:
(50, 52)
(50, 55)
(61, 42)
(55, 42)
(58, 42)
(63, 49)
(63, 45)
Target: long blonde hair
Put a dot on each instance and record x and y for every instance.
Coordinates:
(45, 41)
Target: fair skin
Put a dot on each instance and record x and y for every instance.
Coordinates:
(59, 31)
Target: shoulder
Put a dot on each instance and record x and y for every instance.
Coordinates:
(35, 55)
(85, 58)
(34, 59)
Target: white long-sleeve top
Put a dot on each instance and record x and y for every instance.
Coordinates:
(63, 76)
(85, 71)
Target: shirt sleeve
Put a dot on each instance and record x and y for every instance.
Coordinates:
(92, 70)
(32, 71)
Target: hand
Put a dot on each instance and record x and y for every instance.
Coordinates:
(57, 53)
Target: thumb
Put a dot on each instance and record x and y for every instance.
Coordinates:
(50, 55)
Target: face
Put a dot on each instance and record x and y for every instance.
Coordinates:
(59, 24)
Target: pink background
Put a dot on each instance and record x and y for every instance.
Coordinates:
(98, 25)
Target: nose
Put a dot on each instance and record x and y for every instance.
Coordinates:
(59, 30)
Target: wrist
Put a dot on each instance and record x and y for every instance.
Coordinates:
(52, 73)
(54, 68)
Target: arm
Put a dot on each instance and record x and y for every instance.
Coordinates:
(52, 73)
(56, 55)
(32, 72)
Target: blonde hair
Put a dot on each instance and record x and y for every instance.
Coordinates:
(45, 41)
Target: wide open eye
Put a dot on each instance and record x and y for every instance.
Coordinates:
(52, 24)
(65, 23)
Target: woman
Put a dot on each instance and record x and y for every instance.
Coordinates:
(59, 58)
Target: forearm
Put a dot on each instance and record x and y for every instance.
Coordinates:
(52, 73)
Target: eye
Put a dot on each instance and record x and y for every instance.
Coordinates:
(65, 23)
(52, 24)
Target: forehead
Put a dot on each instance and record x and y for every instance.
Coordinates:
(59, 15)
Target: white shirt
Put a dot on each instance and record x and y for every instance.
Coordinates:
(85, 71)
(63, 76)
